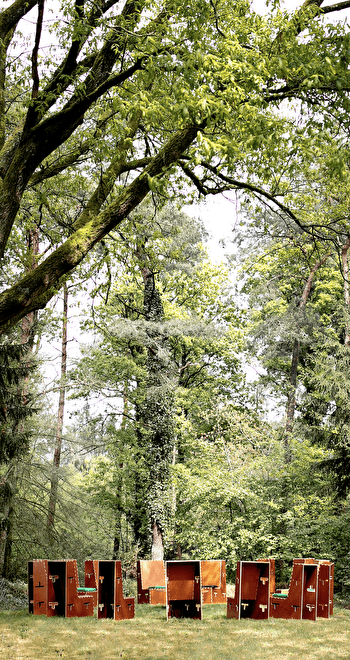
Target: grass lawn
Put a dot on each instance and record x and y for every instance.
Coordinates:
(150, 637)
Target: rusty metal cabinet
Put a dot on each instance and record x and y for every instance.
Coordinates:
(213, 581)
(252, 590)
(151, 586)
(183, 589)
(53, 588)
(111, 603)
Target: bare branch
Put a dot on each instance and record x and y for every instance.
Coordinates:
(338, 7)
(39, 26)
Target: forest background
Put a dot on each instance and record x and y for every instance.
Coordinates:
(206, 414)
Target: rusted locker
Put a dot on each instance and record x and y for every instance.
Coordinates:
(37, 586)
(234, 602)
(151, 582)
(124, 608)
(90, 580)
(292, 605)
(183, 589)
(213, 581)
(111, 603)
(325, 589)
(105, 589)
(56, 590)
(79, 601)
(252, 591)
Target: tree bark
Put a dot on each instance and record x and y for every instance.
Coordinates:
(157, 542)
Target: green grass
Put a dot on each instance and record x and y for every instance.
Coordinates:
(150, 637)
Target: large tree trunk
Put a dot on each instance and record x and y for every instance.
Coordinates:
(155, 416)
(59, 426)
(157, 542)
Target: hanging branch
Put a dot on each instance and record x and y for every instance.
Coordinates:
(39, 27)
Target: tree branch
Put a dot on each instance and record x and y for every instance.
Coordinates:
(10, 16)
(39, 26)
(35, 289)
(338, 7)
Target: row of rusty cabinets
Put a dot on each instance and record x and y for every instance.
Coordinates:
(53, 589)
(310, 593)
(182, 586)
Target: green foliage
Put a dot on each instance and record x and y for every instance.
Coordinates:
(230, 485)
(82, 529)
(169, 346)
(148, 98)
(171, 102)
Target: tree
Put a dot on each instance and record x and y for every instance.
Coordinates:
(230, 492)
(165, 346)
(288, 263)
(136, 94)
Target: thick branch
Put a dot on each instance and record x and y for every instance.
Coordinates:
(10, 16)
(43, 140)
(102, 63)
(338, 7)
(35, 289)
(61, 164)
(4, 44)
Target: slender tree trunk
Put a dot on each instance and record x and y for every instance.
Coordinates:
(293, 376)
(117, 542)
(290, 407)
(344, 258)
(59, 426)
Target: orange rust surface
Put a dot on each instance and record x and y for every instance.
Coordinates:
(152, 574)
